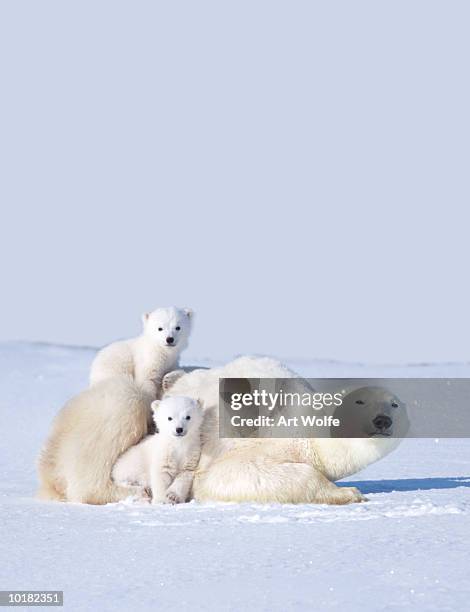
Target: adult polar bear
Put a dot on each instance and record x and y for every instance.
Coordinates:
(99, 424)
(272, 470)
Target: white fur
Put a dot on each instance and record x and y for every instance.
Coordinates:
(81, 451)
(147, 358)
(88, 435)
(166, 461)
(274, 470)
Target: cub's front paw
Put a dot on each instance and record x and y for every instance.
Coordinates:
(173, 498)
(170, 379)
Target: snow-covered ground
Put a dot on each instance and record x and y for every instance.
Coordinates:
(408, 547)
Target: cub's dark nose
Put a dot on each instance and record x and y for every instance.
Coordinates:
(170, 340)
(179, 430)
(382, 422)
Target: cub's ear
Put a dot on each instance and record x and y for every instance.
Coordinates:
(145, 317)
(154, 406)
(188, 312)
(199, 403)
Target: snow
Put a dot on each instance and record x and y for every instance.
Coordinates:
(408, 547)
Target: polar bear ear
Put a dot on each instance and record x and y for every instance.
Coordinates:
(199, 403)
(145, 317)
(154, 405)
(188, 312)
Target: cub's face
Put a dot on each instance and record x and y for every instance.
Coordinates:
(168, 327)
(177, 416)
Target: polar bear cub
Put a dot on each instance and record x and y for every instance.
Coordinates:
(166, 461)
(147, 358)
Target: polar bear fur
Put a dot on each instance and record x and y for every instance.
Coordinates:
(273, 470)
(147, 358)
(166, 461)
(77, 461)
(88, 435)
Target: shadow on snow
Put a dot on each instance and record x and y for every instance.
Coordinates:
(407, 484)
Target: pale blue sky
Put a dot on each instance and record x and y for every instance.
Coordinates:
(298, 173)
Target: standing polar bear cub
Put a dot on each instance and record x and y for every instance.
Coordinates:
(166, 461)
(147, 358)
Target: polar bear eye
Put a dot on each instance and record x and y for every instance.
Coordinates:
(160, 329)
(178, 328)
(360, 402)
(394, 405)
(170, 418)
(188, 418)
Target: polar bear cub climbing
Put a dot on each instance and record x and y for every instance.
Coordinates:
(147, 358)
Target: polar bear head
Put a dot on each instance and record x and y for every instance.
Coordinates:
(177, 416)
(371, 412)
(168, 327)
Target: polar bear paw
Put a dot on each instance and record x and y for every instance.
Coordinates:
(351, 495)
(170, 379)
(173, 498)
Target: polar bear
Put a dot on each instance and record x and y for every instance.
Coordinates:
(77, 461)
(147, 358)
(165, 462)
(88, 435)
(272, 470)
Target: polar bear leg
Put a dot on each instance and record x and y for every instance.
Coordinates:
(262, 480)
(170, 378)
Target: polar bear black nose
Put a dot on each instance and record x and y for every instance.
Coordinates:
(382, 422)
(170, 340)
(179, 430)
